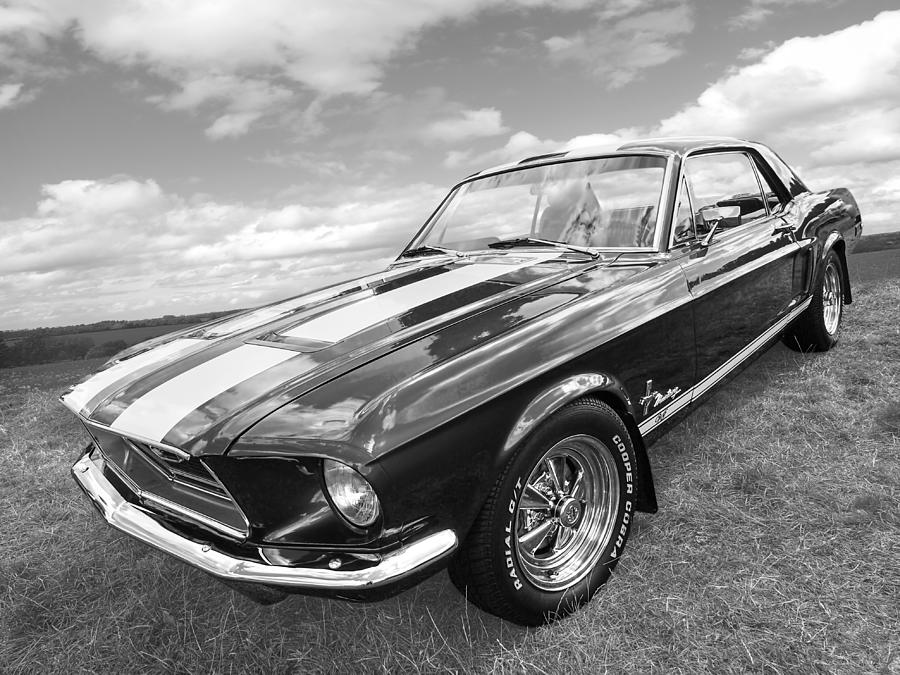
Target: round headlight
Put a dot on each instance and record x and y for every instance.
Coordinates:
(351, 493)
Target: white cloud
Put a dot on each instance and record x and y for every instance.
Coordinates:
(86, 200)
(124, 247)
(520, 145)
(523, 144)
(468, 124)
(232, 124)
(809, 92)
(756, 12)
(260, 57)
(9, 93)
(241, 93)
(874, 186)
(624, 41)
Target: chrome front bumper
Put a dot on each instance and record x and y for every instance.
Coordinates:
(135, 521)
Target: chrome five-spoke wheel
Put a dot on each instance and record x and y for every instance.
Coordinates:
(567, 505)
(557, 519)
(832, 301)
(816, 329)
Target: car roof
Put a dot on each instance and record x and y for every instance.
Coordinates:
(674, 145)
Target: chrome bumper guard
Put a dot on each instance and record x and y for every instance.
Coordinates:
(135, 521)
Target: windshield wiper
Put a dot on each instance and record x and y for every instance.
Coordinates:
(534, 241)
(428, 249)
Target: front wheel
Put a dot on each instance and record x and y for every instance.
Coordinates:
(556, 521)
(817, 328)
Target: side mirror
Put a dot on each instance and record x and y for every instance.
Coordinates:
(715, 216)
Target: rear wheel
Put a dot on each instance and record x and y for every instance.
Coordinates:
(557, 520)
(817, 328)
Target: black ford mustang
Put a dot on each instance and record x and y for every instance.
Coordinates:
(487, 401)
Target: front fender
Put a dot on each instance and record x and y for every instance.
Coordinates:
(608, 389)
(555, 397)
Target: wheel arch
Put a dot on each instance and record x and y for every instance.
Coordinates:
(595, 385)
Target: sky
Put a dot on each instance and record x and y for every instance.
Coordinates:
(181, 156)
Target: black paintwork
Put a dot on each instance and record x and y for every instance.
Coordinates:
(424, 406)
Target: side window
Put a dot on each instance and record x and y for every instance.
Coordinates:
(721, 180)
(684, 217)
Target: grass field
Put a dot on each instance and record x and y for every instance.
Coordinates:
(878, 242)
(776, 549)
(874, 265)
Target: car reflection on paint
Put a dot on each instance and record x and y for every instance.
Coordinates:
(486, 402)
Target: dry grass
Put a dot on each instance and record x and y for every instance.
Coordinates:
(776, 549)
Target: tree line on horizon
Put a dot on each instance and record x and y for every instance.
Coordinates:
(114, 324)
(36, 349)
(33, 346)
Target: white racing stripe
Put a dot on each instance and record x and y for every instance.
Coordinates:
(350, 319)
(264, 315)
(84, 392)
(155, 413)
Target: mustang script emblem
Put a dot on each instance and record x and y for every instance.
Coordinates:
(656, 398)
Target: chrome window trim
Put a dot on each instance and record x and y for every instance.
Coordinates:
(762, 192)
(720, 151)
(687, 190)
(663, 205)
(668, 155)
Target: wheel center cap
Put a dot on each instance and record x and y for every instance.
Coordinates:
(569, 512)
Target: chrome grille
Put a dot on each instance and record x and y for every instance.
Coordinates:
(168, 480)
(190, 471)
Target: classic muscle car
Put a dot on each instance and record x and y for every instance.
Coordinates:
(487, 401)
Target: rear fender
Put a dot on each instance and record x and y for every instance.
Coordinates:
(829, 221)
(836, 243)
(605, 388)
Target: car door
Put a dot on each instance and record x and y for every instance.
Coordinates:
(741, 278)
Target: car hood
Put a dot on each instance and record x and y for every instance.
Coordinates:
(200, 389)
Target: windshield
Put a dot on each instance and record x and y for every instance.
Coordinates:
(606, 203)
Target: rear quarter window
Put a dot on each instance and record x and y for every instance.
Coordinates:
(785, 174)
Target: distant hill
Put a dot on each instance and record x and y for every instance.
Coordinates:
(878, 242)
(101, 339)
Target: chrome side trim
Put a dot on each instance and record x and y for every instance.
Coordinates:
(134, 521)
(719, 373)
